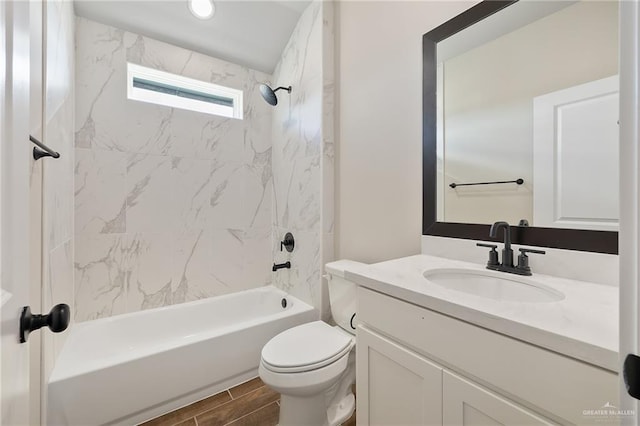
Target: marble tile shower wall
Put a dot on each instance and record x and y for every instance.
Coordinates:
(303, 155)
(328, 143)
(170, 205)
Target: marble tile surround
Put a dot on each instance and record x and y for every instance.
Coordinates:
(170, 205)
(302, 134)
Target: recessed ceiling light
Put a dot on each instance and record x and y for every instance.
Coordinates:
(201, 9)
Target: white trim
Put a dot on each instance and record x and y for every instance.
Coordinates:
(163, 77)
(629, 235)
(15, 398)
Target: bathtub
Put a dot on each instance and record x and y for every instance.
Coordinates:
(129, 368)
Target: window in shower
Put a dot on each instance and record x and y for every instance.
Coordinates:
(163, 88)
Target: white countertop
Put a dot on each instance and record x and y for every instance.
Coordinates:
(584, 325)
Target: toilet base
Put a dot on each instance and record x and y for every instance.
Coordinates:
(329, 408)
(303, 411)
(296, 411)
(341, 411)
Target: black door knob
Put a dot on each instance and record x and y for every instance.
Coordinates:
(57, 320)
(631, 375)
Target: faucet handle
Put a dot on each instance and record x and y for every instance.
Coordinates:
(487, 245)
(523, 260)
(493, 254)
(491, 246)
(524, 251)
(288, 242)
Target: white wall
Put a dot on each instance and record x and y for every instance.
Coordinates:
(379, 129)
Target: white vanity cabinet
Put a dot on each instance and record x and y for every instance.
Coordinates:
(467, 403)
(399, 386)
(416, 366)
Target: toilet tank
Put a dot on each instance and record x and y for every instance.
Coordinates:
(342, 293)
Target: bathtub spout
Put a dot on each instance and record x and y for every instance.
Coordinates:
(281, 266)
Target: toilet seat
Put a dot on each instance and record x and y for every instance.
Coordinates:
(305, 383)
(305, 348)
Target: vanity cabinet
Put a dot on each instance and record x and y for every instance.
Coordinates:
(466, 403)
(416, 366)
(401, 387)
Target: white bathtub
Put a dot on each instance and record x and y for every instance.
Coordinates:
(130, 368)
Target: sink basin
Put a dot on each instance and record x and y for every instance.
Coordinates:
(493, 285)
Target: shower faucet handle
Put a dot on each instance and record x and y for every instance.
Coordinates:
(288, 242)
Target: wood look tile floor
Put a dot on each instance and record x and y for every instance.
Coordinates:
(248, 404)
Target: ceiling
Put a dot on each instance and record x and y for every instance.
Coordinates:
(246, 32)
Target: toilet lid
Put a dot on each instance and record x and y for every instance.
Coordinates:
(306, 347)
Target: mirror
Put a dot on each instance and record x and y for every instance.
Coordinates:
(520, 123)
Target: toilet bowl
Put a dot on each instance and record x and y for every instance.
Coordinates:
(312, 366)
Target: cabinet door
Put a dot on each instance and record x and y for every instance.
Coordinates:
(394, 385)
(466, 403)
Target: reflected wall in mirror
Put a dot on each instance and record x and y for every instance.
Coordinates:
(522, 96)
(524, 92)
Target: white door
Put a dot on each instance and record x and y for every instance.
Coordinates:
(575, 157)
(14, 209)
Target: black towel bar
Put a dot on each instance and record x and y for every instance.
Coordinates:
(518, 181)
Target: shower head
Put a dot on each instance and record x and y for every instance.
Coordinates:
(269, 94)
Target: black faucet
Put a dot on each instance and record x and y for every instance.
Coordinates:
(286, 265)
(507, 253)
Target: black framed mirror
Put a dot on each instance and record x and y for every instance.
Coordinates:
(592, 240)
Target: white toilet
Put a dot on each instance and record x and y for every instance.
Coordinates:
(312, 365)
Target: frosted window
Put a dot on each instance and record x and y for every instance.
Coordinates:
(163, 88)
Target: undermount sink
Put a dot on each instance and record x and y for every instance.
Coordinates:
(493, 285)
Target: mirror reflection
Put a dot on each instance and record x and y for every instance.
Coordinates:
(529, 97)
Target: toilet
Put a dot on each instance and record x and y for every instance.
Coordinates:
(312, 365)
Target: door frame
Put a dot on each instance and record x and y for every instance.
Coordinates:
(36, 255)
(14, 206)
(629, 247)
